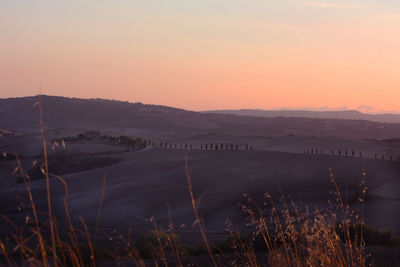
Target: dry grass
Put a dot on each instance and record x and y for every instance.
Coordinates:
(289, 236)
(296, 237)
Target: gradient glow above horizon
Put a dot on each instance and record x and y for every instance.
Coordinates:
(209, 54)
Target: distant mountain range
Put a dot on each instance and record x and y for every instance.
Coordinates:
(343, 115)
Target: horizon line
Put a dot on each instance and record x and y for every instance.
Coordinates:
(311, 109)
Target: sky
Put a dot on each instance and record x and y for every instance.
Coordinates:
(206, 54)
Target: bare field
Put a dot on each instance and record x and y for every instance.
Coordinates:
(144, 182)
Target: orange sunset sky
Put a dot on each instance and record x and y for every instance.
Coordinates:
(208, 54)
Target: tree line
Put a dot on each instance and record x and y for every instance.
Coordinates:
(205, 146)
(349, 153)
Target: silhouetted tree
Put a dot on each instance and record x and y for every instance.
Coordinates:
(237, 147)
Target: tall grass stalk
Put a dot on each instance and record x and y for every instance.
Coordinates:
(103, 188)
(196, 213)
(46, 173)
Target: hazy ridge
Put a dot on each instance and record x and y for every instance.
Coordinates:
(341, 114)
